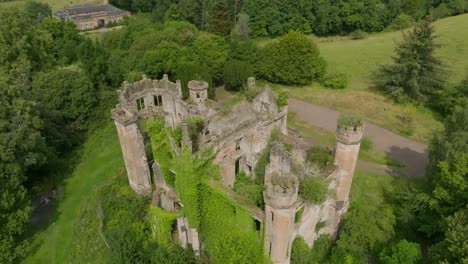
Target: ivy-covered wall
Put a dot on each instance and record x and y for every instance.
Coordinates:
(228, 232)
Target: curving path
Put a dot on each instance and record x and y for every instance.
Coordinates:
(411, 153)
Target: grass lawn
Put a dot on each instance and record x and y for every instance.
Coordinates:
(101, 160)
(56, 5)
(358, 59)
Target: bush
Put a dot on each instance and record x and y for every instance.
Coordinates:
(246, 187)
(293, 59)
(441, 11)
(400, 22)
(282, 99)
(302, 254)
(402, 252)
(336, 81)
(314, 189)
(358, 34)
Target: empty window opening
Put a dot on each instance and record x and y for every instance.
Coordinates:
(249, 168)
(207, 132)
(272, 216)
(269, 250)
(258, 225)
(198, 95)
(158, 100)
(140, 104)
(237, 165)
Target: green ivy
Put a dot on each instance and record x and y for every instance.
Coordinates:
(161, 223)
(282, 99)
(162, 149)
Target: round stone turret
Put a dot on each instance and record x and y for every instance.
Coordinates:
(348, 140)
(282, 191)
(198, 91)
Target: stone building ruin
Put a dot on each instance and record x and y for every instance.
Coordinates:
(91, 16)
(239, 138)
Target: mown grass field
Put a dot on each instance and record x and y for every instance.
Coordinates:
(56, 5)
(101, 160)
(359, 59)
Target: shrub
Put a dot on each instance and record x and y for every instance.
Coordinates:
(293, 59)
(350, 120)
(319, 156)
(358, 34)
(282, 99)
(441, 11)
(246, 187)
(336, 81)
(195, 127)
(314, 189)
(298, 216)
(400, 22)
(402, 252)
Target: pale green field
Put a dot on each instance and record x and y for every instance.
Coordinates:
(359, 59)
(56, 5)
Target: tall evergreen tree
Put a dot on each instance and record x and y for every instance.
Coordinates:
(416, 74)
(220, 22)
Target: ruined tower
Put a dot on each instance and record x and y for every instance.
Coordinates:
(281, 200)
(198, 91)
(348, 141)
(133, 150)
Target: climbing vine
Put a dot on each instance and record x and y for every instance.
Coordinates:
(161, 224)
(162, 149)
(228, 231)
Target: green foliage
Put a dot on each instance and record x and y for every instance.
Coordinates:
(282, 100)
(367, 144)
(173, 13)
(292, 59)
(236, 73)
(261, 164)
(195, 127)
(416, 74)
(401, 252)
(246, 187)
(298, 215)
(246, 51)
(364, 233)
(450, 98)
(37, 10)
(241, 29)
(358, 34)
(186, 72)
(314, 189)
(400, 22)
(161, 222)
(162, 149)
(319, 156)
(302, 254)
(220, 22)
(350, 120)
(336, 81)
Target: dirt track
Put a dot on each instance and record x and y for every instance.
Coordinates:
(411, 153)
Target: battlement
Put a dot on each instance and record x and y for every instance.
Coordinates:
(349, 135)
(132, 91)
(281, 191)
(123, 116)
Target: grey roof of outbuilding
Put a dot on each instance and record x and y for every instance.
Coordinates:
(84, 11)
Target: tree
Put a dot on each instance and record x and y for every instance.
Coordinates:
(416, 73)
(173, 13)
(22, 148)
(401, 252)
(220, 22)
(160, 8)
(451, 98)
(236, 74)
(37, 10)
(241, 30)
(293, 59)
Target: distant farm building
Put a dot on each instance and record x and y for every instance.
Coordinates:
(91, 16)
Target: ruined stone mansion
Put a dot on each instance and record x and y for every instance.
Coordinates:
(239, 137)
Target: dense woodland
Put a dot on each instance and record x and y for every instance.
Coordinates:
(58, 86)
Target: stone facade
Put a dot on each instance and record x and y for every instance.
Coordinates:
(91, 16)
(239, 137)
